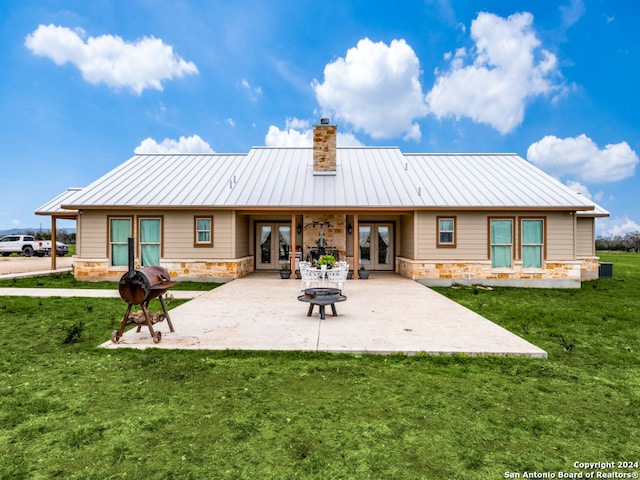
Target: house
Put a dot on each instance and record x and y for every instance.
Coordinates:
(493, 219)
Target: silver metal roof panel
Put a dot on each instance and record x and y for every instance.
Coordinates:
(366, 177)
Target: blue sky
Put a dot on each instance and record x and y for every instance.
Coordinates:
(85, 85)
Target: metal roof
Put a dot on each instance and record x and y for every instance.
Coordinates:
(598, 211)
(365, 177)
(53, 206)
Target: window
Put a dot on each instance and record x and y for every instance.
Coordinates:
(532, 239)
(203, 232)
(446, 232)
(501, 233)
(119, 233)
(150, 241)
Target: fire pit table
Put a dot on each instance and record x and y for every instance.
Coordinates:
(322, 297)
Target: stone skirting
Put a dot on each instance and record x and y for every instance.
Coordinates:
(566, 274)
(201, 270)
(590, 268)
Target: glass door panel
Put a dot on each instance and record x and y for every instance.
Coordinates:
(273, 245)
(376, 246)
(263, 247)
(384, 245)
(364, 239)
(284, 244)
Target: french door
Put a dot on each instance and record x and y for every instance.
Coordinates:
(273, 245)
(376, 246)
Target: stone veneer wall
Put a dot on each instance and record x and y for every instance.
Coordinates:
(567, 274)
(324, 148)
(210, 270)
(590, 268)
(335, 236)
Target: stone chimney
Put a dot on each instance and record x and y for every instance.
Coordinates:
(324, 148)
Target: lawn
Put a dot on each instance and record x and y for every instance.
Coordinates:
(71, 410)
(67, 280)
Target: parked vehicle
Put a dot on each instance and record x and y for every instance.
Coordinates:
(61, 248)
(25, 245)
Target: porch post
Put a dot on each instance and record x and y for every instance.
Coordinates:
(54, 249)
(356, 244)
(292, 255)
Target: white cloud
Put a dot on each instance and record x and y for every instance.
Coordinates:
(615, 226)
(505, 69)
(296, 134)
(347, 140)
(584, 190)
(580, 157)
(375, 88)
(571, 13)
(296, 123)
(108, 59)
(288, 137)
(192, 144)
(253, 92)
(578, 188)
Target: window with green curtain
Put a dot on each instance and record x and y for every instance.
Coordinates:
(203, 230)
(532, 243)
(119, 233)
(150, 241)
(501, 243)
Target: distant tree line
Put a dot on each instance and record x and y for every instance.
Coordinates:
(61, 236)
(630, 242)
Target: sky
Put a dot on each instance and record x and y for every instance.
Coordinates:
(86, 85)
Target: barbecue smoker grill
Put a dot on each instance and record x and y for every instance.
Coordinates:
(139, 287)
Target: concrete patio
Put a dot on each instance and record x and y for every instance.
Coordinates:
(385, 314)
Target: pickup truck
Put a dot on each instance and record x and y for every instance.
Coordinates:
(25, 245)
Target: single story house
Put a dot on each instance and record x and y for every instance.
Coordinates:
(492, 219)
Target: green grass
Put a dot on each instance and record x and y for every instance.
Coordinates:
(67, 280)
(71, 410)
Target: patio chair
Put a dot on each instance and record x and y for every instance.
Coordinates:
(337, 276)
(311, 277)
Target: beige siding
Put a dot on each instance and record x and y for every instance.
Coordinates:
(242, 236)
(178, 230)
(585, 241)
(179, 236)
(93, 234)
(407, 236)
(472, 235)
(560, 236)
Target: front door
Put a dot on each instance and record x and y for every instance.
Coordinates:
(273, 245)
(376, 246)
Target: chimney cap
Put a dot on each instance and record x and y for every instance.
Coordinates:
(324, 121)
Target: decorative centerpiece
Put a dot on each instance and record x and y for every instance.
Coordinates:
(326, 261)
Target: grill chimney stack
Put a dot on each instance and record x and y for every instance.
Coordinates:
(324, 148)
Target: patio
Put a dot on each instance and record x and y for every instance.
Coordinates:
(385, 314)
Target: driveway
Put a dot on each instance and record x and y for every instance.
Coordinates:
(16, 265)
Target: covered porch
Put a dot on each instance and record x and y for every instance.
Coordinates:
(369, 240)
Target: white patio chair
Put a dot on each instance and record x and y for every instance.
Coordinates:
(337, 276)
(311, 277)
